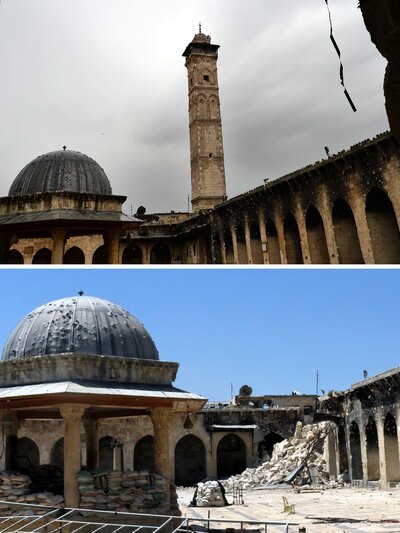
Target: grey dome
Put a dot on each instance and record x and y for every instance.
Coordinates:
(62, 170)
(80, 325)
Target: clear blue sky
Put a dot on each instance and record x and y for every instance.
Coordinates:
(270, 329)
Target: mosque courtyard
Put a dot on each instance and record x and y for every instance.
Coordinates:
(332, 510)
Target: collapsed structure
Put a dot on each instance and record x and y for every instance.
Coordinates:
(344, 209)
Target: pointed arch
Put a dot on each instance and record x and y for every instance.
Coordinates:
(274, 254)
(355, 451)
(255, 239)
(190, 460)
(74, 256)
(99, 256)
(15, 257)
(160, 254)
(27, 455)
(391, 449)
(143, 454)
(132, 255)
(345, 228)
(292, 240)
(229, 247)
(383, 227)
(371, 434)
(57, 452)
(241, 244)
(316, 237)
(42, 257)
(231, 456)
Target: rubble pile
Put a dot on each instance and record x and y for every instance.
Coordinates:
(16, 488)
(209, 494)
(286, 457)
(123, 491)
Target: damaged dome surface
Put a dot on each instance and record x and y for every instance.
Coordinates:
(62, 170)
(80, 325)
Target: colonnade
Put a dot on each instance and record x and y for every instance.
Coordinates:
(356, 230)
(367, 449)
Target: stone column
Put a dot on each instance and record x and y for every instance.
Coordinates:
(281, 237)
(234, 244)
(58, 236)
(111, 242)
(72, 415)
(380, 420)
(223, 249)
(263, 235)
(363, 446)
(325, 210)
(160, 418)
(10, 426)
(305, 249)
(5, 244)
(362, 229)
(92, 443)
(248, 237)
(330, 454)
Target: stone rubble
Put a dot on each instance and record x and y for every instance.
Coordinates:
(286, 456)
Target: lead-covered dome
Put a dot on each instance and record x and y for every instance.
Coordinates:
(62, 170)
(80, 325)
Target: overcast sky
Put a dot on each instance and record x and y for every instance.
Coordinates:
(107, 78)
(270, 329)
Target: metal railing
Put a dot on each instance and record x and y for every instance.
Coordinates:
(30, 518)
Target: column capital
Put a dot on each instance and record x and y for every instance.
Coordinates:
(160, 414)
(72, 412)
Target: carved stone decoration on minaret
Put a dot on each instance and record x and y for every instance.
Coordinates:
(205, 127)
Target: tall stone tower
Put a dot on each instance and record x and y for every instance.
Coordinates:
(206, 147)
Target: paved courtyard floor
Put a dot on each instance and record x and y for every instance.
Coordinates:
(328, 511)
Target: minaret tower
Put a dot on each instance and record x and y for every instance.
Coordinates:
(206, 148)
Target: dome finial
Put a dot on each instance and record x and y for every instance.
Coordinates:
(64, 147)
(200, 27)
(80, 292)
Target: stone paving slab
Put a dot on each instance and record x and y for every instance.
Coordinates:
(366, 511)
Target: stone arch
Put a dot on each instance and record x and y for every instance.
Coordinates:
(190, 460)
(391, 449)
(348, 244)
(202, 106)
(143, 454)
(42, 257)
(231, 456)
(27, 455)
(241, 244)
(371, 437)
(383, 227)
(57, 452)
(217, 257)
(316, 237)
(229, 247)
(255, 239)
(214, 107)
(160, 254)
(355, 452)
(99, 256)
(270, 440)
(74, 256)
(274, 254)
(106, 452)
(132, 255)
(15, 257)
(342, 449)
(292, 240)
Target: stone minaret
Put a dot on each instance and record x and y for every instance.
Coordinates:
(206, 148)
